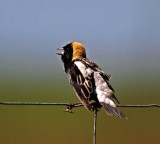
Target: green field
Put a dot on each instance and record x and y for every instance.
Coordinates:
(49, 124)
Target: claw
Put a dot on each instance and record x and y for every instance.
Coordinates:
(71, 106)
(68, 110)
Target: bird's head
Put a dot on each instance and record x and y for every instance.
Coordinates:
(72, 51)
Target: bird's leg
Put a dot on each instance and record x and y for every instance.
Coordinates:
(95, 106)
(71, 106)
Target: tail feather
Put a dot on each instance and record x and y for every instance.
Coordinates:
(113, 110)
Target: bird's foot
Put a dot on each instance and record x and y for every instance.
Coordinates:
(71, 106)
(95, 106)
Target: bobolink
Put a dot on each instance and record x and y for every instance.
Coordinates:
(89, 81)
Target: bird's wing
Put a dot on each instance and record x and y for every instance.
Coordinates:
(90, 73)
(105, 76)
(95, 67)
(81, 80)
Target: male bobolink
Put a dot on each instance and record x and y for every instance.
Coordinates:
(90, 83)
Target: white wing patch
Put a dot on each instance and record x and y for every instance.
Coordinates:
(83, 69)
(104, 93)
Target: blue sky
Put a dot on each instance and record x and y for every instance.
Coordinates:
(115, 31)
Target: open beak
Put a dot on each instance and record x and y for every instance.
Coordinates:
(61, 51)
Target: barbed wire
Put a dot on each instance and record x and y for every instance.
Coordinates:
(76, 104)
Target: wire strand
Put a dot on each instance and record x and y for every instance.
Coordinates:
(75, 105)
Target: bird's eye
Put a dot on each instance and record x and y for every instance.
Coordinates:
(67, 48)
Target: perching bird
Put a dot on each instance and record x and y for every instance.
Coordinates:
(89, 81)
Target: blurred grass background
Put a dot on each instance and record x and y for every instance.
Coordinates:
(121, 36)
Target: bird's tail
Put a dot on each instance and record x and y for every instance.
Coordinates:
(111, 109)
